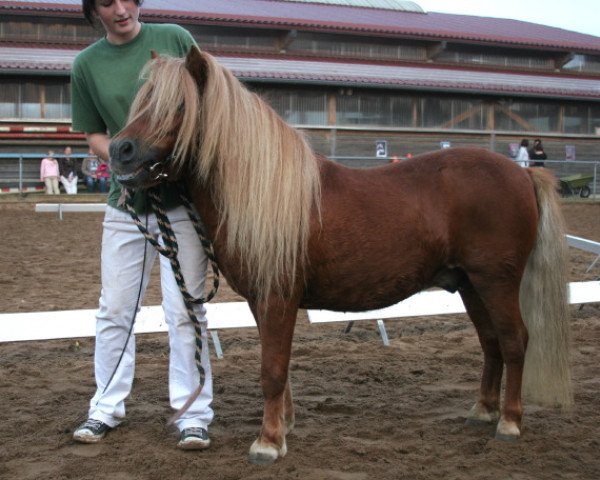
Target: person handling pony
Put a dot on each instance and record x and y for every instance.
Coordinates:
(105, 77)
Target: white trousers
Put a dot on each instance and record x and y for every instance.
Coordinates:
(70, 185)
(122, 265)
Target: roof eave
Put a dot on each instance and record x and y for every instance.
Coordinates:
(340, 27)
(469, 90)
(54, 10)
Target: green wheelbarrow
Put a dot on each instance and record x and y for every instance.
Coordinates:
(578, 184)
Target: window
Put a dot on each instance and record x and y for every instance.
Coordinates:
(345, 46)
(35, 100)
(584, 63)
(58, 102)
(575, 119)
(9, 100)
(298, 107)
(595, 119)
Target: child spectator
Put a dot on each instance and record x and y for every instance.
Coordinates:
(49, 172)
(103, 174)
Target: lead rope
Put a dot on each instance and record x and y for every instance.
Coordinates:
(170, 251)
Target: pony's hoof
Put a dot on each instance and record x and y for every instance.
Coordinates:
(507, 431)
(261, 455)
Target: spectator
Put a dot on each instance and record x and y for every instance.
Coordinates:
(69, 172)
(537, 153)
(89, 169)
(49, 172)
(523, 155)
(103, 175)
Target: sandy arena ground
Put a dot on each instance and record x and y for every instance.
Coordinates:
(364, 411)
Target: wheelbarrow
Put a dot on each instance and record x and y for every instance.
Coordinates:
(577, 184)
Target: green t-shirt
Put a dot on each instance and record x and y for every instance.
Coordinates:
(105, 79)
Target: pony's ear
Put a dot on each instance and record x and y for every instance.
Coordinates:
(153, 54)
(196, 65)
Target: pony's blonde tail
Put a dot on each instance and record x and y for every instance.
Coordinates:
(544, 303)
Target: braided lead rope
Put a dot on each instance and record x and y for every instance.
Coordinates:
(170, 251)
(171, 248)
(128, 204)
(206, 243)
(170, 242)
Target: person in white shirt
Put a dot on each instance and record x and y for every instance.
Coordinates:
(523, 154)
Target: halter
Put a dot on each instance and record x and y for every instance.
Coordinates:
(171, 248)
(157, 174)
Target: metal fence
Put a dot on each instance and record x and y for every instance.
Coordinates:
(572, 173)
(20, 172)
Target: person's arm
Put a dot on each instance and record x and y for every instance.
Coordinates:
(99, 143)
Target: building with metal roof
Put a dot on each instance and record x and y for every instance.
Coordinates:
(401, 5)
(348, 72)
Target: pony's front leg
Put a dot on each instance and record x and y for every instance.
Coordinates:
(277, 320)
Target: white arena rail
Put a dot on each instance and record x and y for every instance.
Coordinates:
(81, 323)
(438, 302)
(30, 326)
(69, 207)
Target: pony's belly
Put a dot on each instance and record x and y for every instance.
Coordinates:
(358, 297)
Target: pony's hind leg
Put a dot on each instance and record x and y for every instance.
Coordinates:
(487, 408)
(501, 301)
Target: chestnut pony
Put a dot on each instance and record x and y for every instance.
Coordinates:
(291, 230)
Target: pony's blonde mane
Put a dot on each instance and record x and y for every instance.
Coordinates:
(264, 177)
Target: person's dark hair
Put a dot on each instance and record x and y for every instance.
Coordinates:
(89, 6)
(524, 142)
(537, 143)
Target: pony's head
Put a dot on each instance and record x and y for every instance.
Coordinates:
(263, 177)
(161, 124)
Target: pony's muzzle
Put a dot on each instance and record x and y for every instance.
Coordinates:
(124, 151)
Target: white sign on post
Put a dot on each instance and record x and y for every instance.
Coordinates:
(381, 149)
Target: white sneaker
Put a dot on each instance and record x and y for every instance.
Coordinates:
(90, 431)
(194, 438)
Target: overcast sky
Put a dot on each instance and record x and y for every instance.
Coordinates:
(577, 15)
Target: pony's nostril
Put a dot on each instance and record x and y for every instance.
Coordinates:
(127, 150)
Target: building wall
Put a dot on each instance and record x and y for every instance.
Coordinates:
(340, 122)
